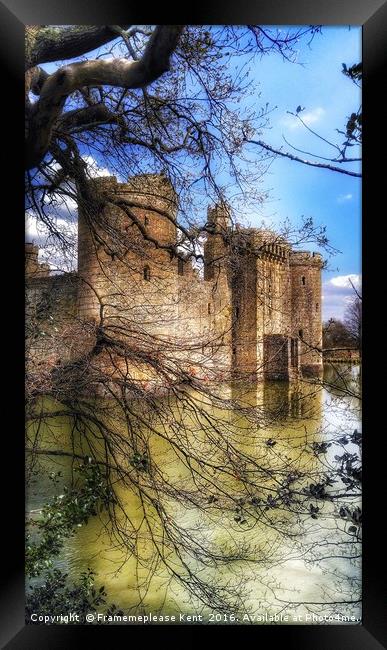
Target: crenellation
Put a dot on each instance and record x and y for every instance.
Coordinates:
(306, 257)
(34, 268)
(254, 312)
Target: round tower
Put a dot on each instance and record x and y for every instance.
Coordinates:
(218, 216)
(215, 248)
(32, 264)
(34, 268)
(305, 272)
(153, 201)
(119, 244)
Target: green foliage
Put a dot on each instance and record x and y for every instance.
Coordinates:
(350, 470)
(354, 72)
(56, 596)
(59, 520)
(320, 447)
(140, 462)
(336, 335)
(63, 514)
(353, 128)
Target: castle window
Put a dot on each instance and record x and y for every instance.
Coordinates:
(180, 267)
(209, 308)
(303, 280)
(146, 273)
(300, 334)
(294, 352)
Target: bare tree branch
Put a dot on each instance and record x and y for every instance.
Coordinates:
(46, 44)
(311, 163)
(117, 72)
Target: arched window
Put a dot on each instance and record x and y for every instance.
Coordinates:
(303, 280)
(146, 273)
(209, 308)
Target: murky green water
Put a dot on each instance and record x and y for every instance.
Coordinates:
(282, 576)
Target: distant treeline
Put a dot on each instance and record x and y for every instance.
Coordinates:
(337, 335)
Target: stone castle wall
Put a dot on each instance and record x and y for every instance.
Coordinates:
(254, 313)
(51, 318)
(306, 307)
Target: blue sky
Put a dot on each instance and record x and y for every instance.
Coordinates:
(333, 200)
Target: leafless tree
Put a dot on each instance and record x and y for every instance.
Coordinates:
(353, 319)
(339, 161)
(145, 99)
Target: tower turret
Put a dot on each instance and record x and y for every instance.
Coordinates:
(122, 240)
(305, 270)
(154, 202)
(34, 268)
(215, 248)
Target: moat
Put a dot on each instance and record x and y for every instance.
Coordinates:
(296, 416)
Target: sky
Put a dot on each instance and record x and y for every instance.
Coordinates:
(333, 200)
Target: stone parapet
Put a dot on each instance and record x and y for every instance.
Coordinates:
(254, 312)
(306, 258)
(34, 268)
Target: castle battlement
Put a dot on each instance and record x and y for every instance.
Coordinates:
(306, 258)
(219, 217)
(154, 191)
(34, 268)
(255, 313)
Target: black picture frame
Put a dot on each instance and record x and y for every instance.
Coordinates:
(372, 15)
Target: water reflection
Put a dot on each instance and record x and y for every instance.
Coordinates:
(272, 423)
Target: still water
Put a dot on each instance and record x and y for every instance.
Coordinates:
(299, 575)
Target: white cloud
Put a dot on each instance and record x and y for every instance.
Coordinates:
(61, 210)
(35, 228)
(337, 292)
(61, 206)
(308, 117)
(58, 257)
(32, 229)
(95, 170)
(67, 201)
(344, 281)
(344, 197)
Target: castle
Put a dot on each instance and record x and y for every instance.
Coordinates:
(254, 311)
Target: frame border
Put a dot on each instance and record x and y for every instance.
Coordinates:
(15, 14)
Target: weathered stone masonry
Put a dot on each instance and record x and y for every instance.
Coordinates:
(255, 313)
